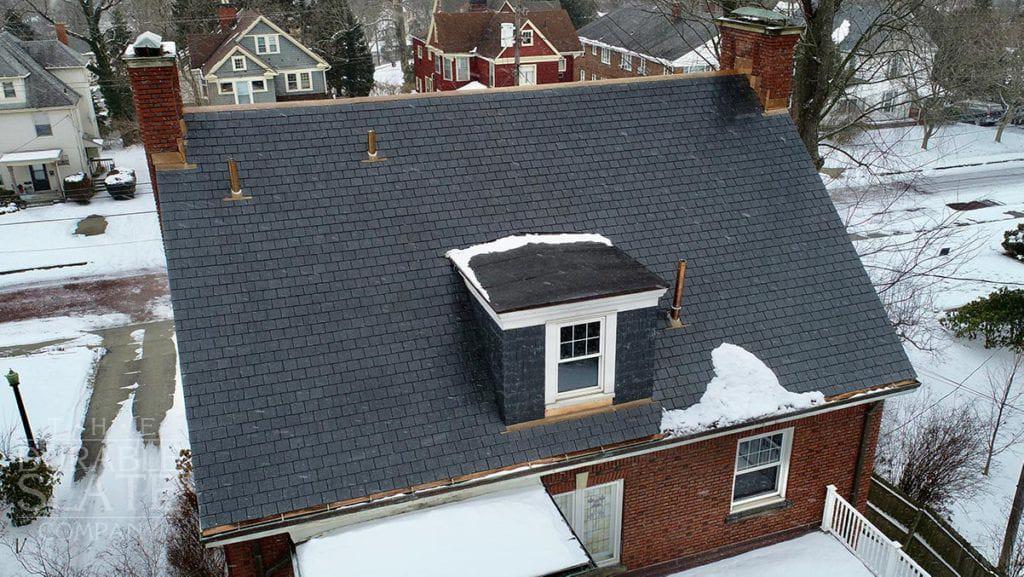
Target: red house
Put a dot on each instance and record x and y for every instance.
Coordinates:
(462, 47)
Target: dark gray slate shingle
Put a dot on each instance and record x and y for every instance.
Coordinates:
(328, 347)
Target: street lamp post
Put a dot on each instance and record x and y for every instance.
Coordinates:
(14, 381)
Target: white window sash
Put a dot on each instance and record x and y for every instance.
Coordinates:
(562, 64)
(527, 39)
(606, 56)
(606, 354)
(781, 480)
(461, 69)
(447, 68)
(234, 63)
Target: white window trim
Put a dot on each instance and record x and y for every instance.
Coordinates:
(526, 33)
(490, 74)
(593, 49)
(783, 479)
(563, 65)
(276, 44)
(221, 84)
(524, 68)
(419, 52)
(606, 55)
(430, 84)
(298, 81)
(579, 500)
(252, 86)
(458, 76)
(625, 61)
(447, 66)
(14, 88)
(641, 66)
(583, 75)
(234, 63)
(606, 367)
(437, 64)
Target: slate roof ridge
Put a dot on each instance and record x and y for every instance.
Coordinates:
(667, 78)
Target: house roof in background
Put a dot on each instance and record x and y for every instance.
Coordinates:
(206, 50)
(53, 54)
(43, 30)
(650, 30)
(458, 6)
(481, 31)
(42, 88)
(328, 347)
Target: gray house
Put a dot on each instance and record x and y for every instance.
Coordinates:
(252, 60)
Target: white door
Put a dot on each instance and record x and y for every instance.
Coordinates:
(243, 92)
(527, 74)
(595, 514)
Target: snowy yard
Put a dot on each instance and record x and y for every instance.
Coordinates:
(806, 556)
(388, 79)
(41, 237)
(890, 233)
(898, 150)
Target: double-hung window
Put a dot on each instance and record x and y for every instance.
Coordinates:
(490, 74)
(641, 66)
(8, 90)
(237, 63)
(462, 68)
(626, 62)
(267, 44)
(437, 65)
(593, 49)
(762, 468)
(447, 68)
(41, 120)
(580, 358)
(561, 64)
(297, 81)
(583, 75)
(419, 52)
(606, 55)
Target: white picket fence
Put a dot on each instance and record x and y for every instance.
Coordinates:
(881, 555)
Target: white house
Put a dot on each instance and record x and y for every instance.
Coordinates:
(48, 126)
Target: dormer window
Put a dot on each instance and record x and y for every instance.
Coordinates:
(8, 89)
(551, 310)
(237, 63)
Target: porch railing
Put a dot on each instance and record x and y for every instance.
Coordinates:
(881, 555)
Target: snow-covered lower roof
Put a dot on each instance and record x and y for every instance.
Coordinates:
(31, 156)
(474, 85)
(510, 533)
(816, 553)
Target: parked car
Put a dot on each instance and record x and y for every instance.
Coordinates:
(980, 113)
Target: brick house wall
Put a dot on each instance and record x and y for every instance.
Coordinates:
(256, 558)
(591, 64)
(675, 504)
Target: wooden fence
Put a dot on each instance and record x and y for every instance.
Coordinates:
(935, 545)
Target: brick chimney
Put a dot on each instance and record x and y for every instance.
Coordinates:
(477, 5)
(677, 11)
(760, 43)
(61, 29)
(156, 90)
(227, 14)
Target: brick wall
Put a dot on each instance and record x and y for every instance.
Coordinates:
(770, 55)
(591, 64)
(676, 502)
(256, 558)
(156, 92)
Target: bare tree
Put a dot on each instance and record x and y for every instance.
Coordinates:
(1010, 87)
(933, 453)
(1005, 395)
(186, 554)
(50, 553)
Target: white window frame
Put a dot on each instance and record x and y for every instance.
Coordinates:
(461, 75)
(781, 480)
(3, 90)
(576, 500)
(252, 86)
(606, 365)
(594, 76)
(430, 84)
(593, 49)
(447, 66)
(490, 73)
(583, 75)
(626, 61)
(298, 81)
(437, 65)
(606, 55)
(419, 84)
(41, 120)
(563, 65)
(527, 37)
(222, 84)
(419, 52)
(641, 66)
(234, 63)
(271, 43)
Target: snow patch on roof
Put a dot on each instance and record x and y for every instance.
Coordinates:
(841, 32)
(743, 389)
(474, 85)
(462, 256)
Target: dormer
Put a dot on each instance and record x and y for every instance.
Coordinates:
(567, 321)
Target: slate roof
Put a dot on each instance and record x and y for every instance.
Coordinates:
(43, 89)
(650, 30)
(328, 348)
(53, 54)
(539, 275)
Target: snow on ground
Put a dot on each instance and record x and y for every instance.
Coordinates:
(58, 328)
(743, 389)
(388, 79)
(806, 556)
(45, 236)
(955, 371)
(891, 150)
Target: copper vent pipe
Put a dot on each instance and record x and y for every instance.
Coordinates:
(677, 298)
(236, 182)
(371, 144)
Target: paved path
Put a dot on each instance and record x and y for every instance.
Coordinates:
(125, 368)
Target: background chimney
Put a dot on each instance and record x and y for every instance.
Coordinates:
(227, 14)
(156, 91)
(62, 32)
(677, 11)
(477, 5)
(760, 43)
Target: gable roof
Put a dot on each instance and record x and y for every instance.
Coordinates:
(650, 30)
(206, 51)
(463, 32)
(43, 89)
(328, 347)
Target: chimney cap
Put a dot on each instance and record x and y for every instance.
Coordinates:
(755, 14)
(149, 44)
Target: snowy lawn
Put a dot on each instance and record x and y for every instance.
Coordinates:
(953, 371)
(806, 556)
(388, 79)
(45, 236)
(895, 150)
